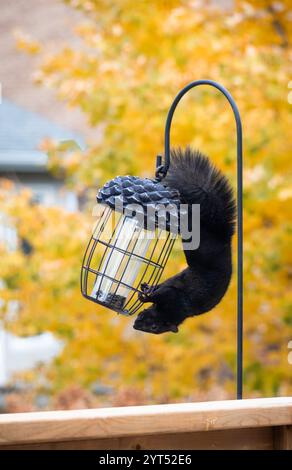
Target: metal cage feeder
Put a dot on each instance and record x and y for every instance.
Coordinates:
(131, 242)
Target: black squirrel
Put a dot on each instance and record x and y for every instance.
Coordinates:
(201, 286)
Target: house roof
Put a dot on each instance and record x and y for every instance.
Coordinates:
(21, 132)
(53, 24)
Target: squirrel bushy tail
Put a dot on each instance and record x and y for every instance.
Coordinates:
(200, 182)
(201, 286)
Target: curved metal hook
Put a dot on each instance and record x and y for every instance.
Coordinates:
(161, 173)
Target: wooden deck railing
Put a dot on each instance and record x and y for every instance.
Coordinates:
(248, 424)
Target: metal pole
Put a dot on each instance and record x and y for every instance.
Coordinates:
(163, 170)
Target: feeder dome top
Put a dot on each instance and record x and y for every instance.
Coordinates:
(123, 192)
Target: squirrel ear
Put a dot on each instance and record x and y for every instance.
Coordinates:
(174, 328)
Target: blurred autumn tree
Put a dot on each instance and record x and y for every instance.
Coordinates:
(133, 59)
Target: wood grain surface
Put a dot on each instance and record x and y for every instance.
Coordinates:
(166, 425)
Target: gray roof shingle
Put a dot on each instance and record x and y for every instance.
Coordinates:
(21, 132)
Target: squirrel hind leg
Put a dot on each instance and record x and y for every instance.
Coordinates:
(149, 322)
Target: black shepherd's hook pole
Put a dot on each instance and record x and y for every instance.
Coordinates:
(162, 170)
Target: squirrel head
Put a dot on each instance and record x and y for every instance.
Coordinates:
(150, 321)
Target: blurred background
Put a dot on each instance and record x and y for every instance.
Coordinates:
(86, 86)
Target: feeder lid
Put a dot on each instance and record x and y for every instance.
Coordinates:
(144, 199)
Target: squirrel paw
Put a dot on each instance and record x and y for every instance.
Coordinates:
(146, 292)
(149, 322)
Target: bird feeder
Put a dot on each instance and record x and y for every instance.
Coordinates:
(137, 227)
(131, 243)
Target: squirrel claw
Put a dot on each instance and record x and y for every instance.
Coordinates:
(142, 297)
(145, 294)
